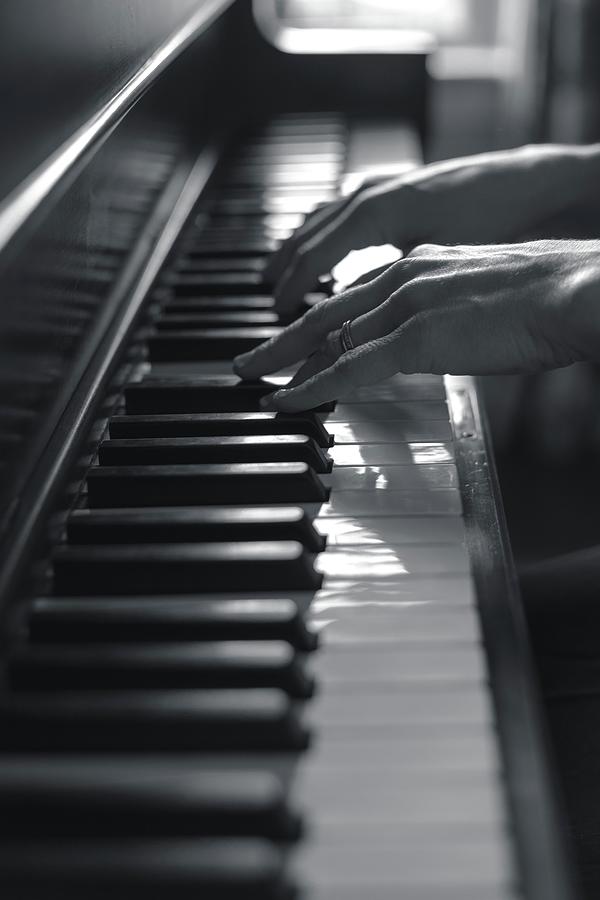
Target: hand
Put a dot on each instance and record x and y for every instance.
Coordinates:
(480, 199)
(470, 310)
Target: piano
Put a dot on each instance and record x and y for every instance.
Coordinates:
(243, 655)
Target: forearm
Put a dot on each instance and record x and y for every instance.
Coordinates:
(563, 178)
(583, 308)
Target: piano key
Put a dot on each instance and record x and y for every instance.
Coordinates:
(399, 477)
(203, 665)
(198, 394)
(410, 410)
(194, 321)
(207, 343)
(201, 424)
(398, 389)
(384, 562)
(401, 664)
(204, 485)
(402, 623)
(245, 720)
(215, 449)
(194, 264)
(258, 205)
(152, 869)
(214, 282)
(187, 525)
(405, 863)
(457, 800)
(389, 432)
(183, 568)
(192, 305)
(171, 618)
(458, 590)
(267, 225)
(389, 502)
(51, 798)
(420, 712)
(199, 247)
(415, 452)
(391, 530)
(391, 745)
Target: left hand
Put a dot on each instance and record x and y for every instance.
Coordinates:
(495, 309)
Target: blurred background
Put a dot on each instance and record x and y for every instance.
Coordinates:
(507, 72)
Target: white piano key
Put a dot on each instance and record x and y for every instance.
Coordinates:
(357, 892)
(388, 501)
(402, 623)
(399, 664)
(408, 454)
(393, 530)
(410, 410)
(400, 476)
(401, 708)
(384, 562)
(386, 432)
(336, 797)
(451, 590)
(453, 744)
(404, 861)
(400, 387)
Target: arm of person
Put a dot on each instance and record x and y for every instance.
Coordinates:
(487, 198)
(492, 309)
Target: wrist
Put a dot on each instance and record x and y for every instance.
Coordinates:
(561, 176)
(584, 304)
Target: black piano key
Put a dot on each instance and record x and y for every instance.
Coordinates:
(171, 321)
(214, 282)
(204, 485)
(222, 664)
(195, 265)
(198, 246)
(157, 619)
(183, 568)
(192, 305)
(57, 799)
(206, 343)
(214, 449)
(188, 525)
(154, 721)
(148, 869)
(199, 424)
(196, 394)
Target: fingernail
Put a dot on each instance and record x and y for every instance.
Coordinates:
(265, 402)
(240, 362)
(270, 401)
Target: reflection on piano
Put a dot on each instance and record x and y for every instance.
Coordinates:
(244, 654)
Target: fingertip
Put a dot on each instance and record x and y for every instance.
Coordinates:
(239, 365)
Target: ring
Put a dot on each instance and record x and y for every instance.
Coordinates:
(346, 336)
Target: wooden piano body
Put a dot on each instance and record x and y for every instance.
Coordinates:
(427, 776)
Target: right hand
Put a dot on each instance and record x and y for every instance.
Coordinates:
(484, 199)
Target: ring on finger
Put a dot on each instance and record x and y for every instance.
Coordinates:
(346, 336)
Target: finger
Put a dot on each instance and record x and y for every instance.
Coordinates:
(318, 218)
(369, 276)
(304, 336)
(351, 229)
(400, 351)
(415, 297)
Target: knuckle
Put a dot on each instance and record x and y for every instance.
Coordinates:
(427, 250)
(301, 259)
(314, 319)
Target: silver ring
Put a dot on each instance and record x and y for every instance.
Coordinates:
(346, 336)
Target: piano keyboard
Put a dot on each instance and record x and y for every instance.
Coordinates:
(261, 668)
